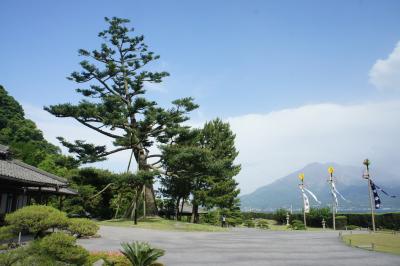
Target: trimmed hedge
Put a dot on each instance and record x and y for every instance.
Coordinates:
(36, 219)
(82, 227)
(389, 221)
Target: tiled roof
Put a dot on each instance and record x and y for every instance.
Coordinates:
(64, 191)
(20, 172)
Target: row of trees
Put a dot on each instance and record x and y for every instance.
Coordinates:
(193, 164)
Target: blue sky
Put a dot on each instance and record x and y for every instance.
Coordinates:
(235, 57)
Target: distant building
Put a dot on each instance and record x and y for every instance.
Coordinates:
(21, 184)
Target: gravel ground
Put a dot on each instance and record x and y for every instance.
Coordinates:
(250, 247)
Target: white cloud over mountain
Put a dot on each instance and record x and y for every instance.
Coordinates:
(274, 144)
(385, 73)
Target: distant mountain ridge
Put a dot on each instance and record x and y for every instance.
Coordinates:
(284, 192)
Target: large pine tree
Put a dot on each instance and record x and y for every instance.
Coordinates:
(114, 104)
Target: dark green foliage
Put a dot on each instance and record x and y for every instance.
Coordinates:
(36, 219)
(88, 182)
(52, 250)
(385, 220)
(211, 217)
(352, 227)
(314, 218)
(6, 233)
(341, 222)
(10, 258)
(297, 225)
(200, 163)
(257, 215)
(316, 215)
(280, 216)
(82, 227)
(26, 140)
(134, 185)
(61, 248)
(141, 254)
(263, 224)
(249, 223)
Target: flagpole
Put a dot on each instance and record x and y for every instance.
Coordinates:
(372, 205)
(331, 170)
(301, 176)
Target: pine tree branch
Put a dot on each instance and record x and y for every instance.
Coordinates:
(97, 129)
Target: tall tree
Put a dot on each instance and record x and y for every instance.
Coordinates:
(203, 160)
(114, 104)
(219, 138)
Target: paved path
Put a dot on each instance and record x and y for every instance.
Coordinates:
(244, 247)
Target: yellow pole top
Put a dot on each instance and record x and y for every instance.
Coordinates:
(331, 170)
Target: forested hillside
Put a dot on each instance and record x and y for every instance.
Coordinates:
(26, 140)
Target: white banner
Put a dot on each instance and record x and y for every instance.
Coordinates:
(306, 202)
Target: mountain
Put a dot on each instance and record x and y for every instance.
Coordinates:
(284, 192)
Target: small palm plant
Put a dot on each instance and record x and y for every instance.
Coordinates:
(141, 254)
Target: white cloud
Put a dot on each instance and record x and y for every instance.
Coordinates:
(273, 145)
(71, 130)
(385, 73)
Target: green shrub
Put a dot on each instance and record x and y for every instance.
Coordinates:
(11, 257)
(280, 216)
(111, 258)
(297, 225)
(141, 254)
(234, 221)
(352, 227)
(249, 223)
(82, 227)
(60, 247)
(7, 232)
(341, 222)
(36, 219)
(263, 224)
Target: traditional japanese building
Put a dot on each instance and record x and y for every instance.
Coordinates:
(21, 184)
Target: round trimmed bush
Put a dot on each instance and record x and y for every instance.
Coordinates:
(249, 223)
(297, 225)
(61, 247)
(36, 219)
(263, 224)
(82, 227)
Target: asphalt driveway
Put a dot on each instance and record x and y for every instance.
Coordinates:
(250, 247)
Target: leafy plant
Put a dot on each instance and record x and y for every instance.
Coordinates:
(263, 224)
(60, 247)
(352, 227)
(7, 232)
(297, 225)
(249, 223)
(341, 222)
(82, 227)
(36, 219)
(141, 254)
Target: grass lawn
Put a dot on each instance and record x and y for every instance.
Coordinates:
(164, 224)
(385, 242)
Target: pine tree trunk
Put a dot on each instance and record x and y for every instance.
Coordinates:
(177, 208)
(195, 213)
(151, 207)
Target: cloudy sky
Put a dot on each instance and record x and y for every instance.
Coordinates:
(299, 81)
